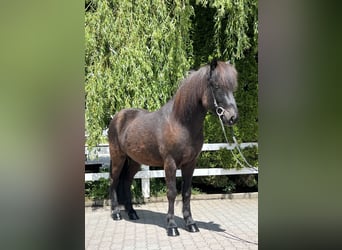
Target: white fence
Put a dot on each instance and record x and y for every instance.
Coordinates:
(102, 153)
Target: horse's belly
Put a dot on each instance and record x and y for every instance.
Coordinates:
(145, 157)
(143, 147)
(150, 154)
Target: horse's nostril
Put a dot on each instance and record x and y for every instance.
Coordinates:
(232, 120)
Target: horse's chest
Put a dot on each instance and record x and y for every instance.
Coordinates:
(187, 154)
(182, 147)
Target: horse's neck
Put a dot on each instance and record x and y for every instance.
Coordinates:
(190, 116)
(187, 106)
(195, 121)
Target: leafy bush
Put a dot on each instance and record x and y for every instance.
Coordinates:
(158, 187)
(97, 189)
(136, 191)
(229, 187)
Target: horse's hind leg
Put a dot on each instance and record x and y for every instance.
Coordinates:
(117, 163)
(170, 177)
(187, 172)
(126, 181)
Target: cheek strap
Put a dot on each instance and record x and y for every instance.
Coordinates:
(219, 110)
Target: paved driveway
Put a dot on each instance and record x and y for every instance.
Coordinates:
(223, 224)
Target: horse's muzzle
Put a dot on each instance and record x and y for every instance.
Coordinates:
(228, 116)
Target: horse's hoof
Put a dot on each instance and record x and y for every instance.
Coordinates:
(133, 216)
(172, 231)
(193, 228)
(116, 216)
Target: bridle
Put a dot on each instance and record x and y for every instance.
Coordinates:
(220, 112)
(218, 109)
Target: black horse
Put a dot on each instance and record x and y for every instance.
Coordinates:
(171, 137)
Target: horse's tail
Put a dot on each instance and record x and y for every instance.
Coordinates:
(120, 190)
(115, 128)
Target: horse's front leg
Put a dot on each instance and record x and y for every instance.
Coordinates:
(170, 177)
(187, 172)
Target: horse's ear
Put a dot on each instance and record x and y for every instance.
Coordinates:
(228, 62)
(213, 64)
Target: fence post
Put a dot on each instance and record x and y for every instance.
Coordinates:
(145, 183)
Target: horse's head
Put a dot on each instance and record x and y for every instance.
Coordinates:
(222, 84)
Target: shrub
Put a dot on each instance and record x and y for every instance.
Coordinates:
(97, 189)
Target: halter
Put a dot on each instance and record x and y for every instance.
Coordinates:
(220, 111)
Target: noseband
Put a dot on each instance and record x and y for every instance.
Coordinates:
(219, 110)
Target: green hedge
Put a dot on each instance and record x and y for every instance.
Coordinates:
(136, 54)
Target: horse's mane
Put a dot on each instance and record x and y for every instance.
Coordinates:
(196, 84)
(190, 92)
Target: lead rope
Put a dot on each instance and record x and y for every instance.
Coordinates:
(240, 152)
(236, 146)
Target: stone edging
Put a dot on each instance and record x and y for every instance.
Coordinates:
(91, 203)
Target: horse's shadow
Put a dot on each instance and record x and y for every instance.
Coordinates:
(159, 219)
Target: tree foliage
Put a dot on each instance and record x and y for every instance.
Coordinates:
(233, 26)
(135, 56)
(136, 52)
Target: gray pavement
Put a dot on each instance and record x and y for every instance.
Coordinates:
(223, 224)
